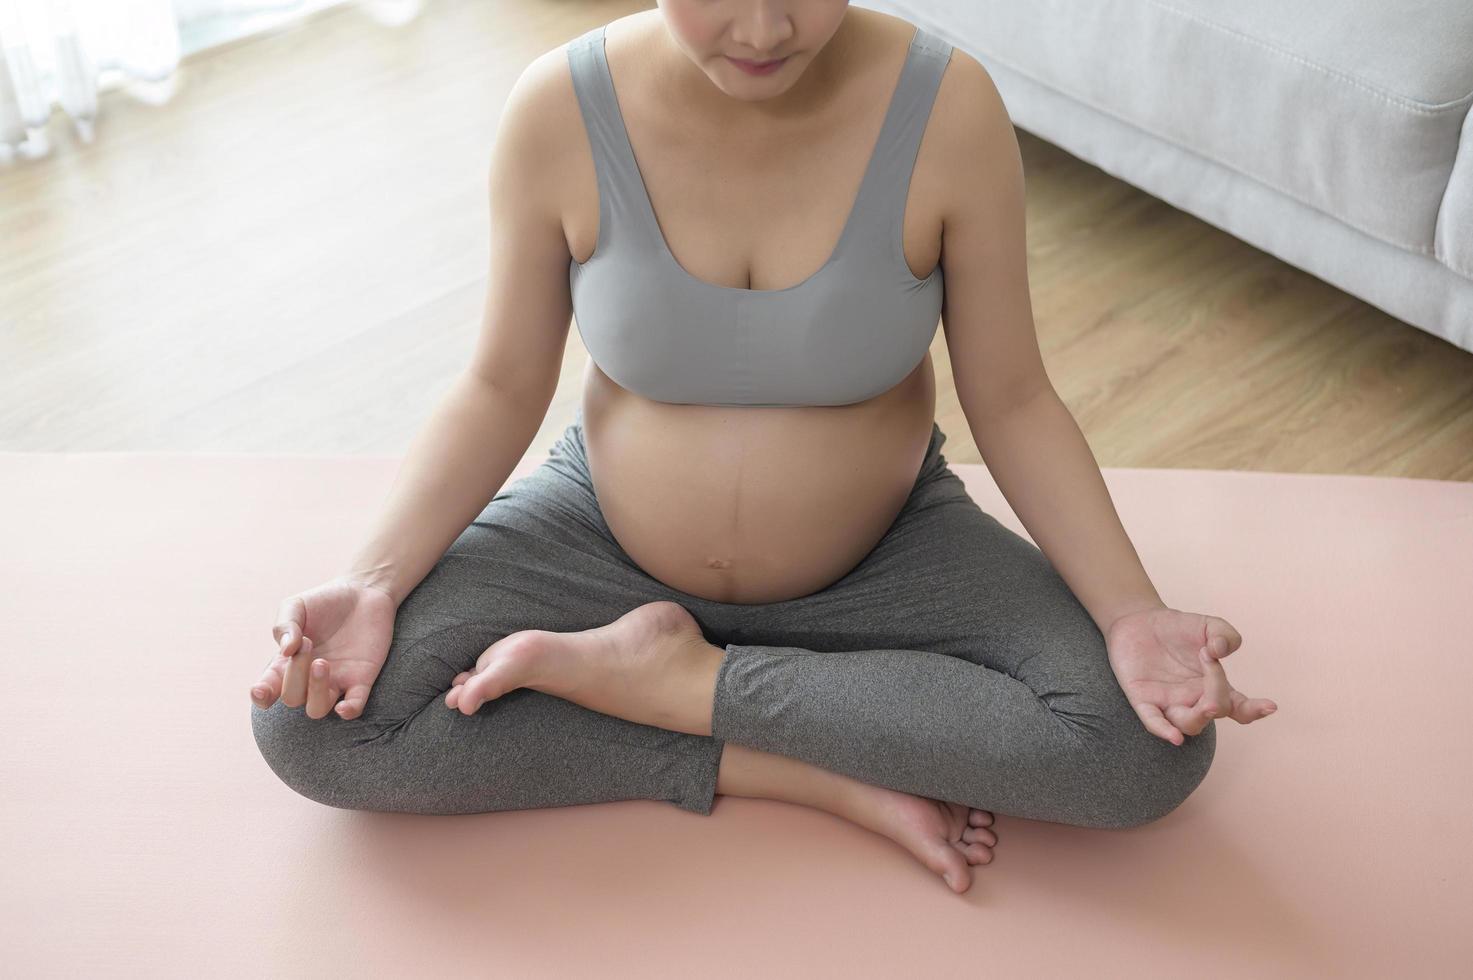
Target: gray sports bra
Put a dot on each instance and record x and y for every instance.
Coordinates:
(852, 330)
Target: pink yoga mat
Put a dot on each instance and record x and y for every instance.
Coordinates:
(143, 834)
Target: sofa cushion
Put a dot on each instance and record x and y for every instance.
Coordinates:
(1353, 107)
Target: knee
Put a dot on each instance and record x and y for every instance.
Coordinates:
(310, 755)
(1152, 777)
(1134, 776)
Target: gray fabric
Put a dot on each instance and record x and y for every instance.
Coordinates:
(852, 330)
(952, 662)
(1265, 118)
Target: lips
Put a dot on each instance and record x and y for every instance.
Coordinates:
(757, 67)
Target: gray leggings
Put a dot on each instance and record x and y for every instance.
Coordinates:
(952, 662)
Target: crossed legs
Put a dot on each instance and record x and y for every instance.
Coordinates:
(953, 663)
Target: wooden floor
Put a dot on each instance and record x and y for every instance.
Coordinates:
(290, 257)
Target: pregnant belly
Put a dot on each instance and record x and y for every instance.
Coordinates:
(753, 505)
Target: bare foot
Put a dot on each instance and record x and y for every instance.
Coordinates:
(643, 667)
(946, 837)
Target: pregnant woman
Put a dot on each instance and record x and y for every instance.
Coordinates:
(746, 567)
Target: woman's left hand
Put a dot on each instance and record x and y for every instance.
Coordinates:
(1167, 663)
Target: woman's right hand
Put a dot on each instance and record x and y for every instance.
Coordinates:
(332, 642)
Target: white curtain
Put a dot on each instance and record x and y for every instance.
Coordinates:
(62, 53)
(55, 52)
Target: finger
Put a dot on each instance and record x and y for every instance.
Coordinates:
(321, 695)
(264, 692)
(1222, 637)
(291, 624)
(1156, 722)
(294, 687)
(1187, 718)
(1252, 709)
(352, 704)
(1217, 693)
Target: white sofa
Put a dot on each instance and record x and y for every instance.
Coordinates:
(1333, 134)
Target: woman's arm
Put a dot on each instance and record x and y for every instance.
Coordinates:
(1044, 467)
(1031, 444)
(484, 424)
(1167, 661)
(457, 463)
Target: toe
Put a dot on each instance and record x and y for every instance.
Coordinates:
(974, 852)
(481, 688)
(472, 696)
(979, 835)
(977, 853)
(951, 865)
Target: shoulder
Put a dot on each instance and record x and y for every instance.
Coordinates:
(535, 140)
(542, 108)
(969, 114)
(541, 101)
(970, 136)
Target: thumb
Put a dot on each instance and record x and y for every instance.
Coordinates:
(351, 706)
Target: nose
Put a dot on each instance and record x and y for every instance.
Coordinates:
(763, 31)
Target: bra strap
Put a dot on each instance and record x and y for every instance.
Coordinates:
(883, 192)
(624, 205)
